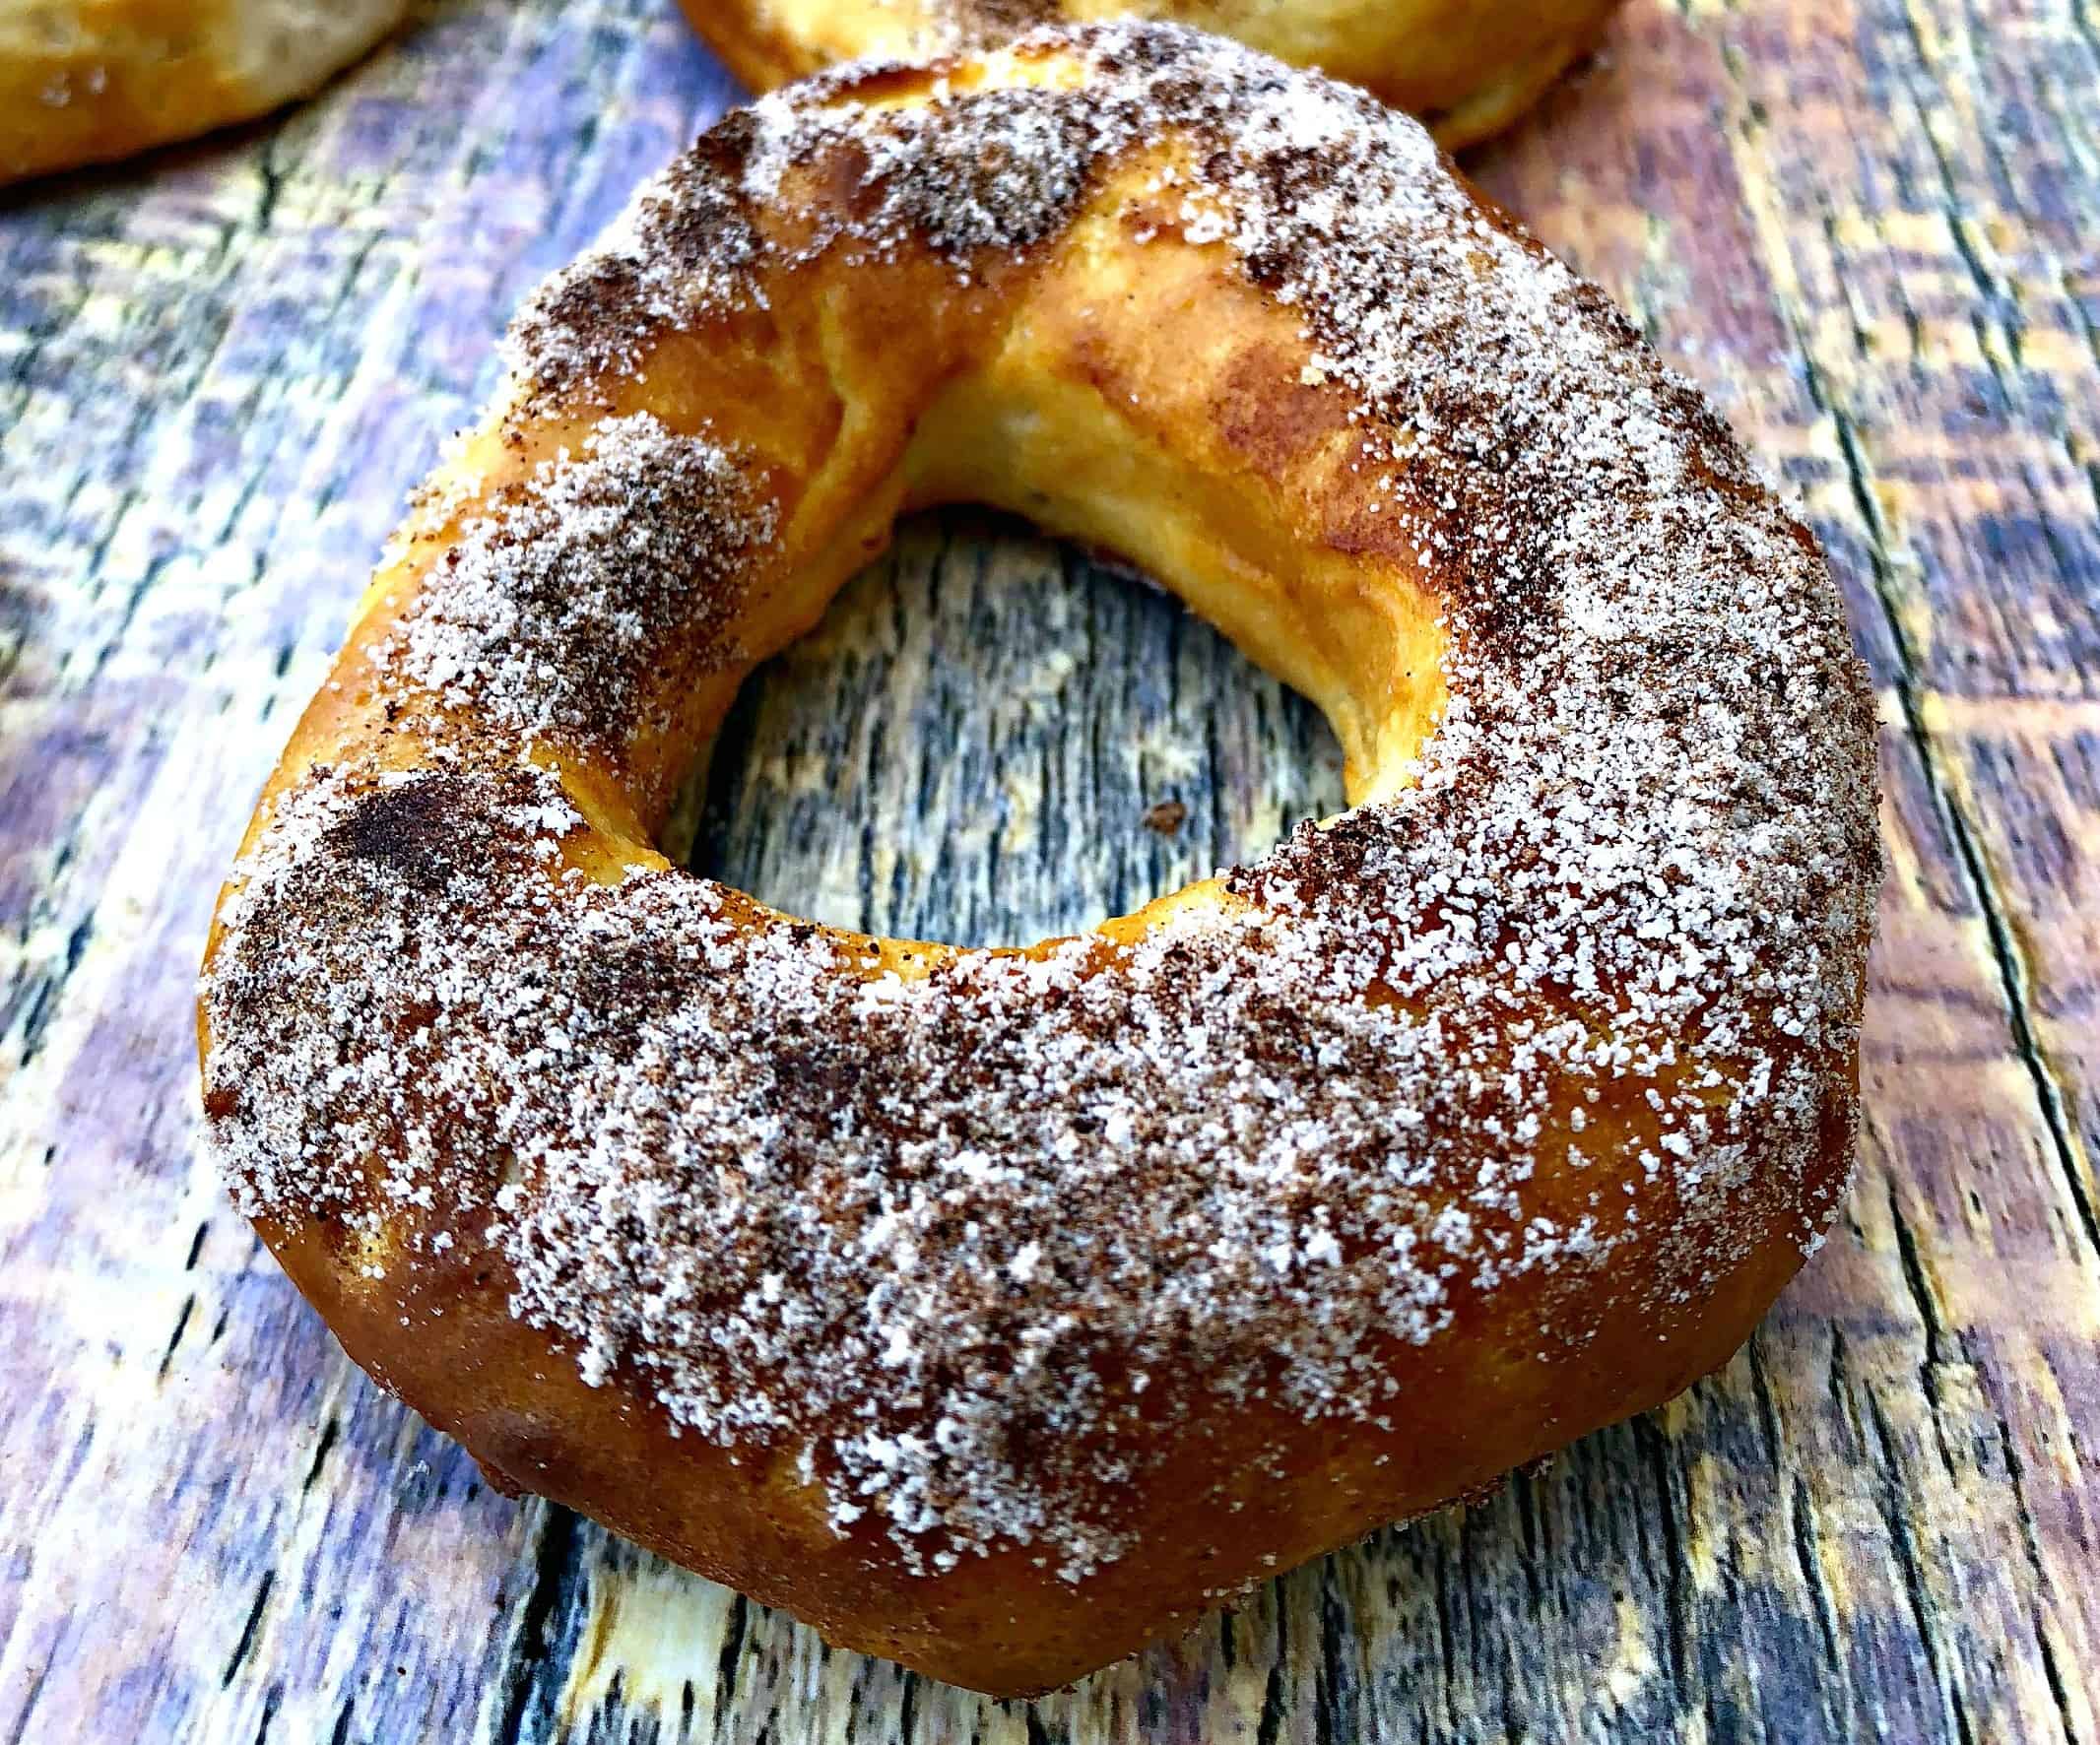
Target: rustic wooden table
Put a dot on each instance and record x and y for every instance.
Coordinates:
(1872, 227)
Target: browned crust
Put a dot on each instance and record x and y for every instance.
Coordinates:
(1252, 1495)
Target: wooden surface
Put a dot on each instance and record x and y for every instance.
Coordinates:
(1871, 229)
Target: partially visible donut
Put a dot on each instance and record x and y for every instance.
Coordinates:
(86, 81)
(1467, 68)
(999, 1311)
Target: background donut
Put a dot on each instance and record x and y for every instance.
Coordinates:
(1467, 68)
(86, 81)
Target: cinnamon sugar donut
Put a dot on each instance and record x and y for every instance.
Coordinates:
(1469, 68)
(999, 1311)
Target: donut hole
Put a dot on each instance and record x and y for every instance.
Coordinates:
(992, 737)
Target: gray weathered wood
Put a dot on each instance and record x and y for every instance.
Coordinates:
(1872, 227)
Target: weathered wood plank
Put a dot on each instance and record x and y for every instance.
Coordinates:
(1870, 228)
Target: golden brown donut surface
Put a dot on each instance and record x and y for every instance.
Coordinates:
(86, 81)
(1469, 68)
(1000, 1311)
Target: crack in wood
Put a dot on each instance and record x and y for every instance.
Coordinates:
(2012, 975)
(2009, 1449)
(44, 1006)
(329, 1432)
(248, 1628)
(20, 1732)
(1655, 1451)
(1336, 1695)
(1803, 1535)
(529, 1689)
(729, 1663)
(1913, 1269)
(175, 1339)
(1940, 1661)
(1276, 1696)
(908, 1703)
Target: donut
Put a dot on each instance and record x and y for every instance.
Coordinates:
(1467, 68)
(86, 81)
(1000, 1311)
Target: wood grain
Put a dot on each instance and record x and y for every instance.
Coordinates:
(1870, 228)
